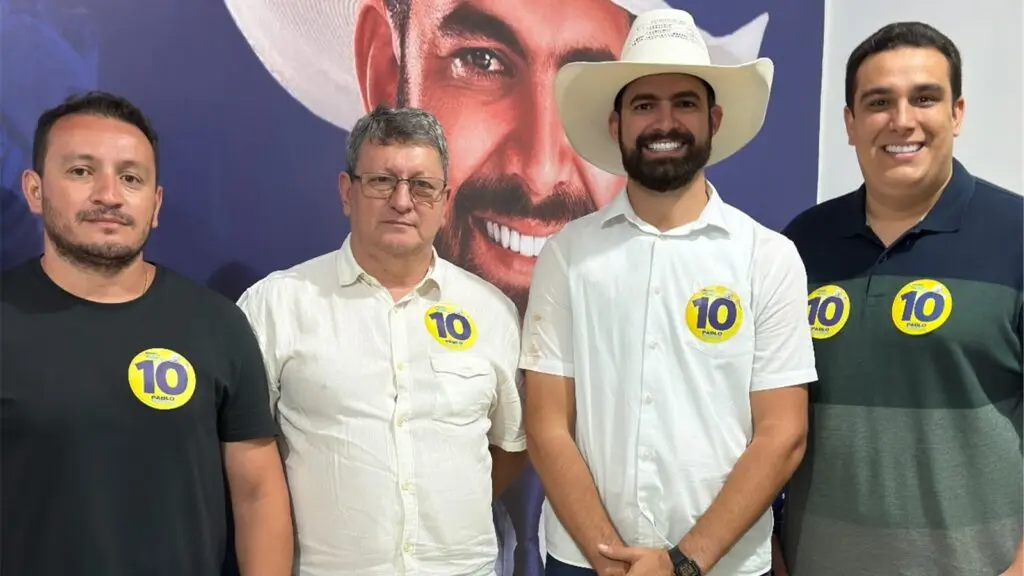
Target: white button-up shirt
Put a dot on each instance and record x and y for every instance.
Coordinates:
(666, 335)
(387, 410)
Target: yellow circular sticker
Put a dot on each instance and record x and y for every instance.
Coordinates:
(828, 309)
(162, 378)
(451, 326)
(714, 314)
(921, 306)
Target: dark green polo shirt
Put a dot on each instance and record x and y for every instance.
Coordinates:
(914, 459)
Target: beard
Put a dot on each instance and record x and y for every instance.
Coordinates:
(509, 197)
(665, 174)
(104, 257)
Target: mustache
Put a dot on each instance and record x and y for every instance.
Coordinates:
(686, 138)
(510, 196)
(102, 212)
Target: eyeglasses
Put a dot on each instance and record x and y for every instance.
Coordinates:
(381, 186)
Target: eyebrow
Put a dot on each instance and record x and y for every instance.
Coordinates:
(470, 22)
(69, 158)
(883, 91)
(89, 158)
(646, 96)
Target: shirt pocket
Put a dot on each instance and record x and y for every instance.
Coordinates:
(465, 388)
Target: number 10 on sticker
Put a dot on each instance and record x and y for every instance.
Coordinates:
(450, 327)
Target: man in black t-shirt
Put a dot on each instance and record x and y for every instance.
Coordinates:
(128, 392)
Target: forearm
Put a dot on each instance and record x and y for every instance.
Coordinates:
(1017, 568)
(505, 466)
(758, 476)
(572, 494)
(264, 540)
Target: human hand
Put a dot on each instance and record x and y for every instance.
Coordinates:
(641, 561)
(1015, 569)
(609, 567)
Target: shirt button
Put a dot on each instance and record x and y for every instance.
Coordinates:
(406, 547)
(400, 366)
(653, 345)
(406, 486)
(400, 421)
(648, 399)
(657, 290)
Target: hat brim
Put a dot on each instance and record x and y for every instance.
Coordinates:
(585, 95)
(308, 47)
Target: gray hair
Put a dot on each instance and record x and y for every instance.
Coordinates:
(387, 126)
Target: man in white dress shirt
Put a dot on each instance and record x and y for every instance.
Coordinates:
(393, 374)
(666, 343)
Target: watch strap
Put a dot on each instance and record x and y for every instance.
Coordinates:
(682, 565)
(676, 556)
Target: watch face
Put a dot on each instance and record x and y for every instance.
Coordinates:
(688, 569)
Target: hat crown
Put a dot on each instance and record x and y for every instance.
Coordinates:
(667, 36)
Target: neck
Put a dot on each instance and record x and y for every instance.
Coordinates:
(95, 285)
(672, 209)
(886, 205)
(396, 273)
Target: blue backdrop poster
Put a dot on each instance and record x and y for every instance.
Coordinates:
(252, 98)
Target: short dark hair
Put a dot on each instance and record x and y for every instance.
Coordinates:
(399, 12)
(95, 103)
(904, 35)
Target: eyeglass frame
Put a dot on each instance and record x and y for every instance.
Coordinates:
(386, 194)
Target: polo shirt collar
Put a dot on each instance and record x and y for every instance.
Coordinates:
(713, 214)
(350, 272)
(945, 216)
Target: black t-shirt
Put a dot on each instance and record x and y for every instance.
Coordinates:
(111, 423)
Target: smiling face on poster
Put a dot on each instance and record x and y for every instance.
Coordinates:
(486, 69)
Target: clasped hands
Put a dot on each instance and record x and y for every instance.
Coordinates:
(627, 561)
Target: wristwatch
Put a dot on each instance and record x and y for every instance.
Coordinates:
(681, 564)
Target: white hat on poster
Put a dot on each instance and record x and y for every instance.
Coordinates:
(307, 46)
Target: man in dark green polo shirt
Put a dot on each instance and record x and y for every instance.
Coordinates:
(914, 462)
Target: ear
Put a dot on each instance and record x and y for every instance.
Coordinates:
(848, 120)
(32, 188)
(156, 210)
(447, 203)
(613, 125)
(376, 55)
(958, 115)
(716, 119)
(345, 187)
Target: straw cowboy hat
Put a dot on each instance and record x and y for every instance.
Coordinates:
(660, 41)
(307, 46)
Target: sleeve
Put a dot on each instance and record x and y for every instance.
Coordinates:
(507, 429)
(244, 411)
(547, 328)
(254, 306)
(783, 349)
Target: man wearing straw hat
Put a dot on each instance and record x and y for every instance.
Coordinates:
(665, 344)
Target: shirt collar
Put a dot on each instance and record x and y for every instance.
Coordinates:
(945, 216)
(713, 214)
(350, 272)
